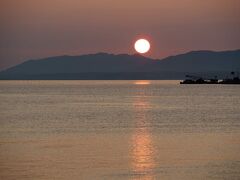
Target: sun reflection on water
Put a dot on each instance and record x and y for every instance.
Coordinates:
(142, 150)
(142, 82)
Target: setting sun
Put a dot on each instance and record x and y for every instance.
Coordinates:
(142, 46)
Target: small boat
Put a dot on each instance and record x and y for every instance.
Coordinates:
(199, 80)
(234, 80)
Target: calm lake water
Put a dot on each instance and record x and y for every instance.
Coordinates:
(136, 130)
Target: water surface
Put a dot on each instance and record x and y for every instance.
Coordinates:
(119, 130)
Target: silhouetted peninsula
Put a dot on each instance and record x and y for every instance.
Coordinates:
(124, 66)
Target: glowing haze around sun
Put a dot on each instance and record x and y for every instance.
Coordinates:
(142, 46)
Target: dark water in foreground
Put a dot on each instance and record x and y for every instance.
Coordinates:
(119, 130)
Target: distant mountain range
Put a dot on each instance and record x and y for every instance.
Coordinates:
(124, 66)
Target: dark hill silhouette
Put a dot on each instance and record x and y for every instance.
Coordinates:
(203, 61)
(124, 66)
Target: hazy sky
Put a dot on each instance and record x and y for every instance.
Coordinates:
(39, 28)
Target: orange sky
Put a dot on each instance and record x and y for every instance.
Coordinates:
(40, 28)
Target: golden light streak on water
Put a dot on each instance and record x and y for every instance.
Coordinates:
(142, 82)
(142, 146)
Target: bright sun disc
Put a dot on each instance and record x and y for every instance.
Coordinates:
(142, 46)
